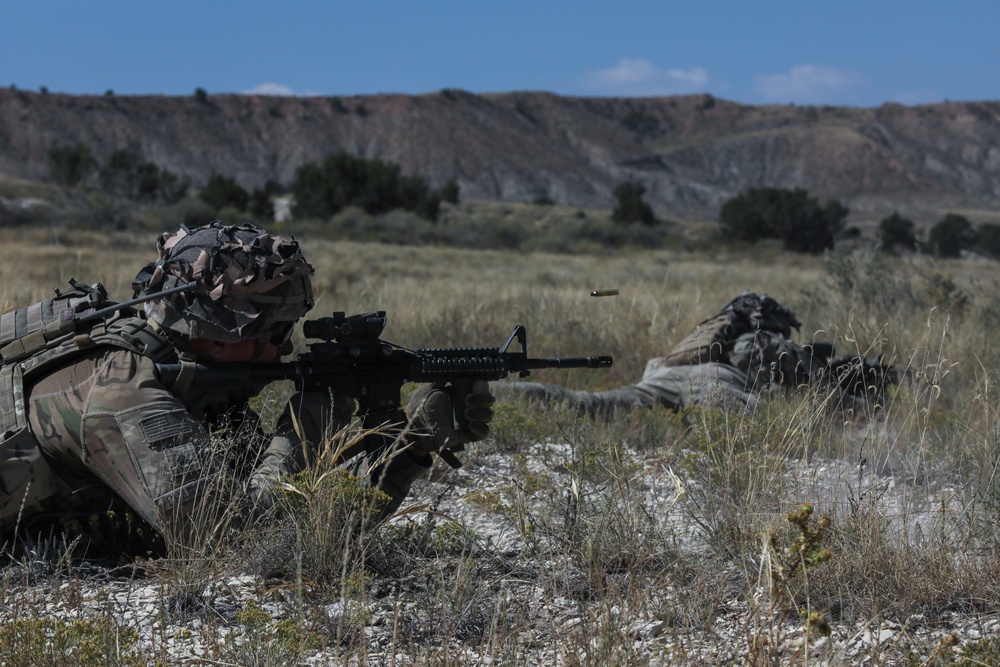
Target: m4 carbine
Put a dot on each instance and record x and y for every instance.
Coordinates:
(351, 359)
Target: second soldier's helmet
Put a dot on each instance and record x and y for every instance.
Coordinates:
(248, 284)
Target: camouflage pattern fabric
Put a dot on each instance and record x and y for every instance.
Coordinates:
(85, 422)
(729, 361)
(713, 337)
(103, 426)
(250, 284)
(671, 387)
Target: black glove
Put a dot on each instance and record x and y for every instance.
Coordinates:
(432, 416)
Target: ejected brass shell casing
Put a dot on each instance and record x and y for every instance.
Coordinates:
(604, 292)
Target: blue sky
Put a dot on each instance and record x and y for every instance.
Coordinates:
(847, 52)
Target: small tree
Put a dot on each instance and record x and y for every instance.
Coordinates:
(120, 174)
(631, 207)
(223, 192)
(950, 236)
(792, 216)
(449, 192)
(895, 231)
(376, 186)
(261, 201)
(988, 238)
(125, 175)
(171, 187)
(71, 165)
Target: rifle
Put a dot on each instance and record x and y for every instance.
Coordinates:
(351, 359)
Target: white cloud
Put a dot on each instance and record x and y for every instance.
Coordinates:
(270, 89)
(638, 76)
(811, 84)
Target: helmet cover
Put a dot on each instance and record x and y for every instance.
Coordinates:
(249, 284)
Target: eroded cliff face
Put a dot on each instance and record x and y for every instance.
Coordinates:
(691, 152)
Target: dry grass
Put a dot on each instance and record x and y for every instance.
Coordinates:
(572, 538)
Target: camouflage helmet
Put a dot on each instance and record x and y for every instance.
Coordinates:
(248, 283)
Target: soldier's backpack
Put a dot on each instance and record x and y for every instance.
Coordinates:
(40, 336)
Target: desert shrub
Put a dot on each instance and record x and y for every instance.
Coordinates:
(261, 202)
(325, 522)
(631, 207)
(950, 236)
(450, 192)
(124, 174)
(798, 220)
(735, 464)
(988, 238)
(221, 192)
(594, 236)
(12, 214)
(376, 186)
(264, 640)
(82, 642)
(866, 280)
(190, 210)
(896, 232)
(71, 165)
(877, 572)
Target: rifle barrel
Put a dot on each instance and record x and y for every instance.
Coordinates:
(601, 361)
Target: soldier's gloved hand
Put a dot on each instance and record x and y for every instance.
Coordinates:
(432, 415)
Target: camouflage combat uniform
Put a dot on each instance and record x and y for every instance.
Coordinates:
(86, 420)
(728, 360)
(104, 425)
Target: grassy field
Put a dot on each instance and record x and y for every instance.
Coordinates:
(795, 534)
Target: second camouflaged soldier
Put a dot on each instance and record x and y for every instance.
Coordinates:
(729, 361)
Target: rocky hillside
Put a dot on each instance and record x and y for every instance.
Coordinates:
(691, 152)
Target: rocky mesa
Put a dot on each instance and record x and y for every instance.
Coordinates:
(690, 152)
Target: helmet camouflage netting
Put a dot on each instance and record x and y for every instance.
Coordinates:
(249, 283)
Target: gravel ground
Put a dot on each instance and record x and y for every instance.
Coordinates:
(392, 624)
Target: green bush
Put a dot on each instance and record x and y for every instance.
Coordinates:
(71, 165)
(125, 175)
(223, 192)
(950, 236)
(450, 192)
(64, 642)
(792, 216)
(343, 180)
(988, 238)
(895, 231)
(631, 207)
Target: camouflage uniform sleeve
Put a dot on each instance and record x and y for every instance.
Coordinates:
(584, 402)
(672, 387)
(106, 413)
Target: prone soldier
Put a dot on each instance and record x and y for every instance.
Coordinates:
(730, 360)
(86, 421)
